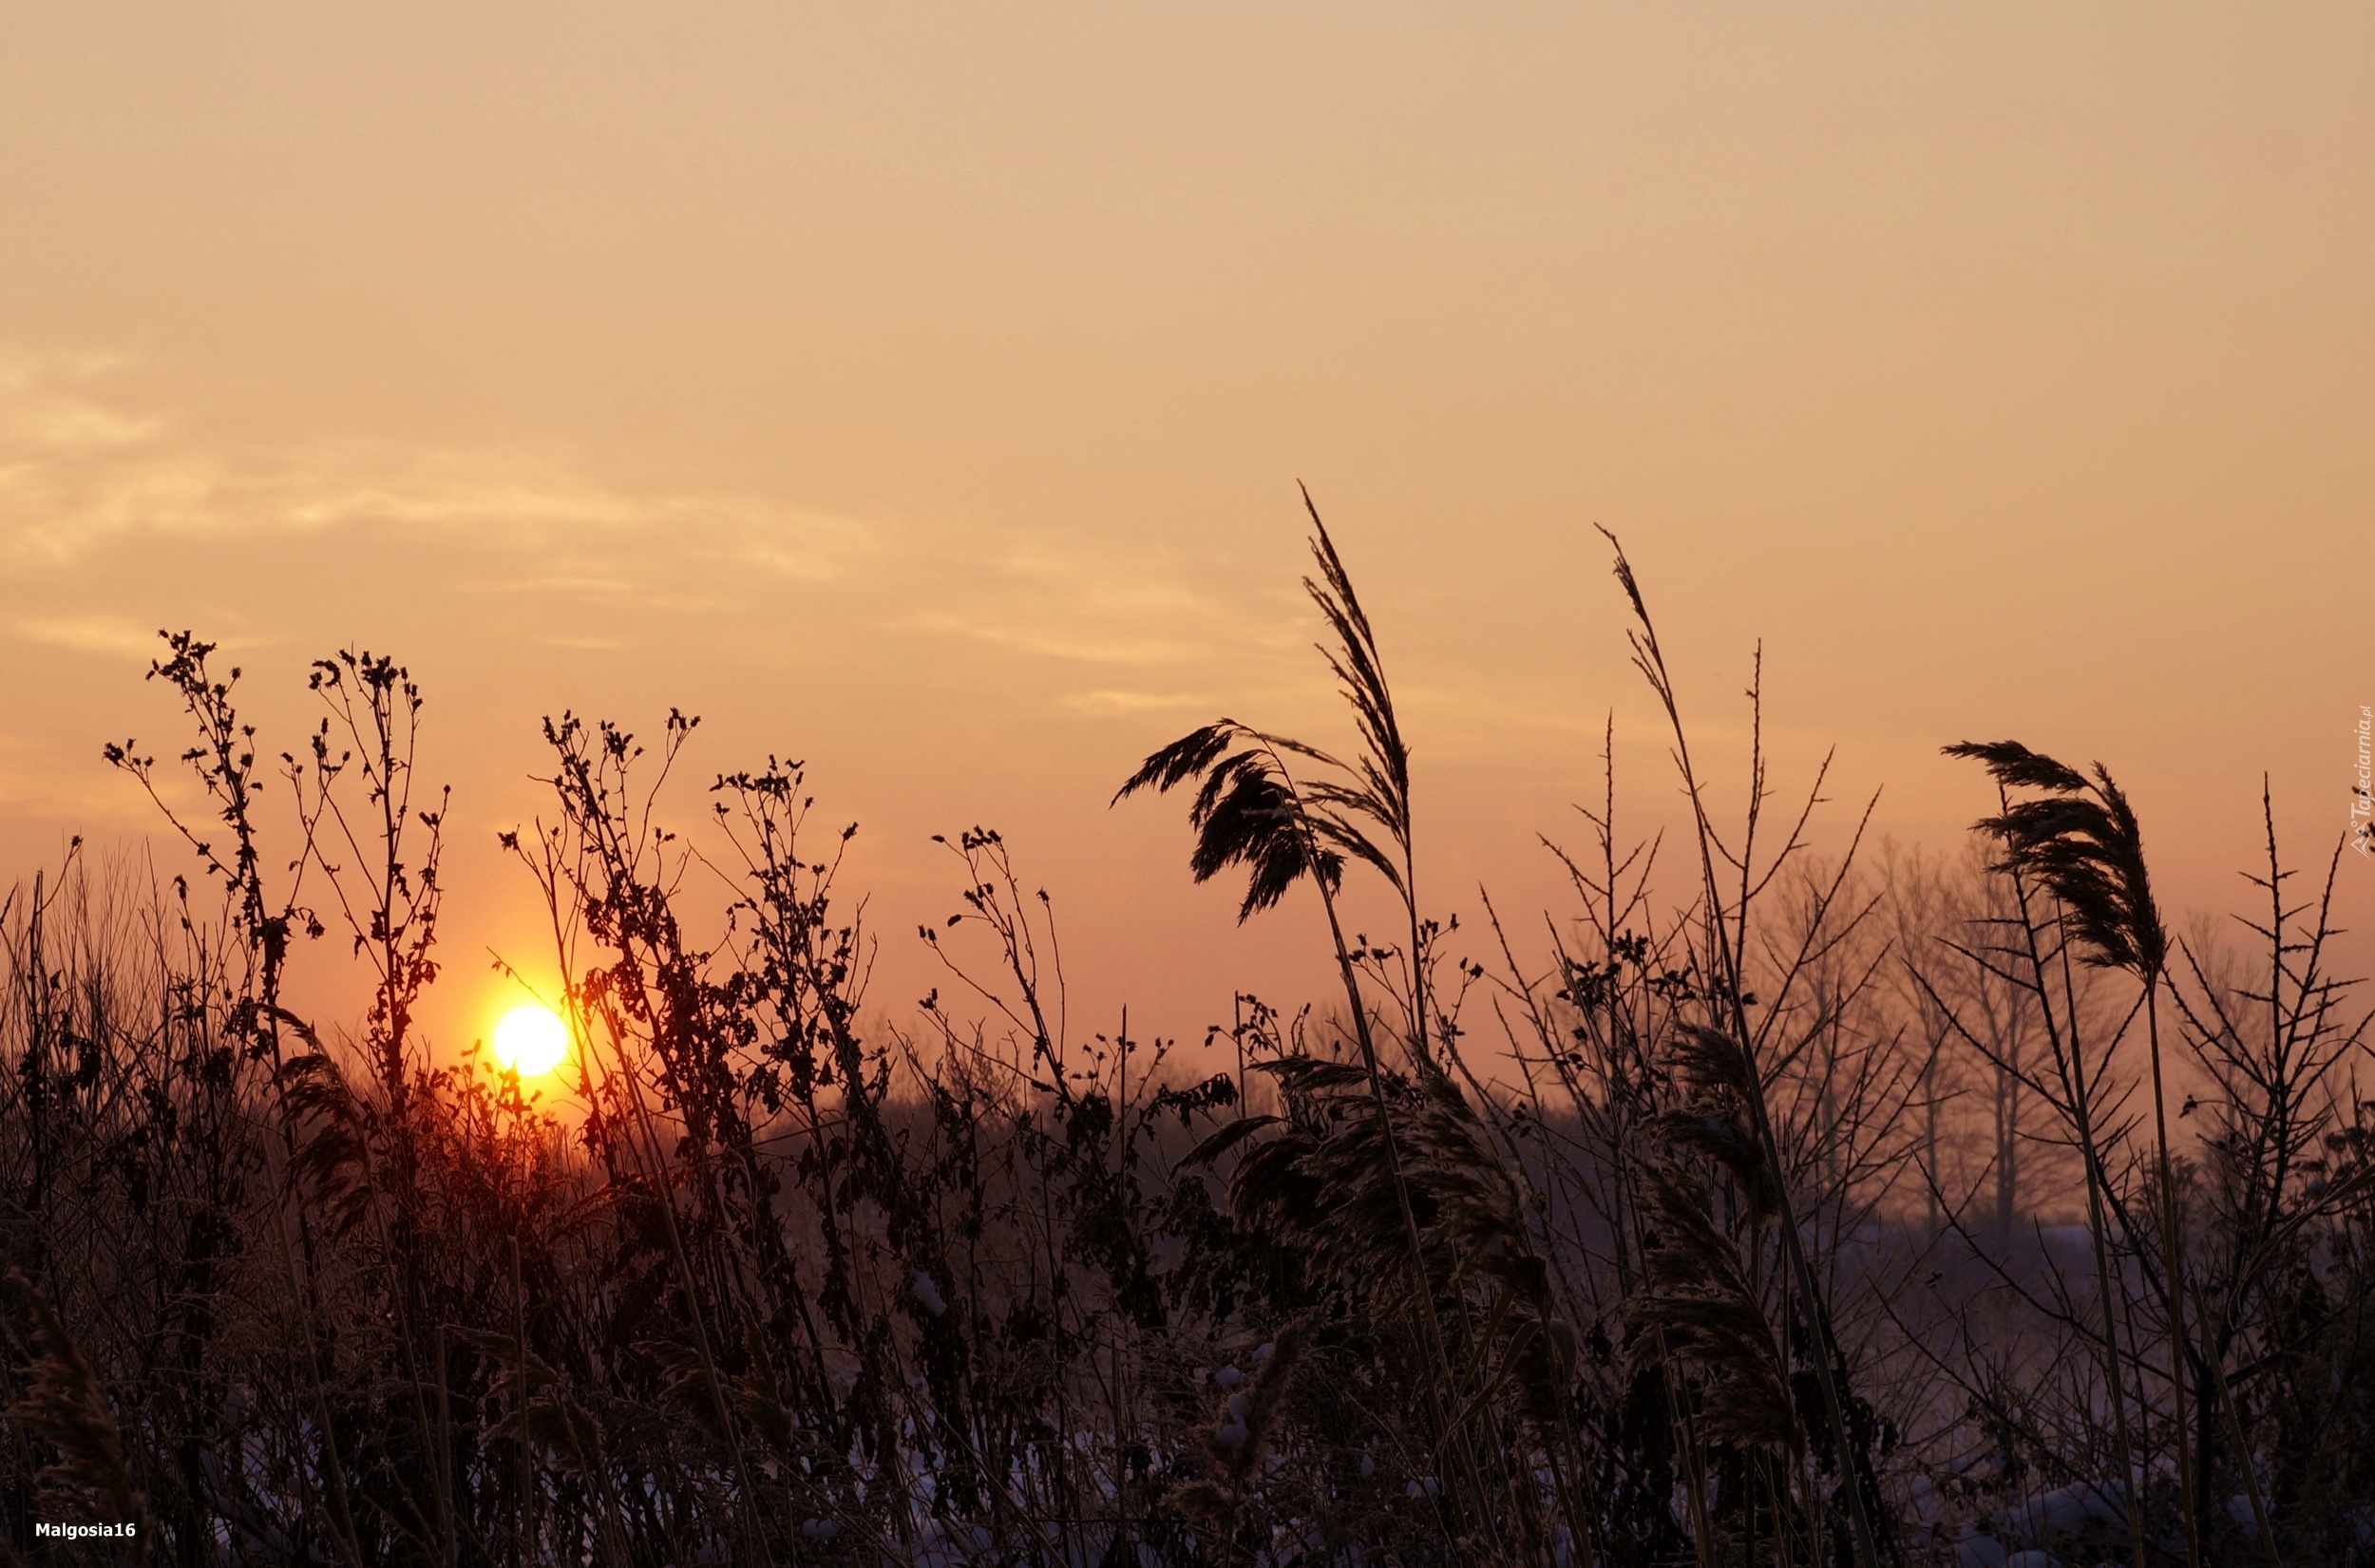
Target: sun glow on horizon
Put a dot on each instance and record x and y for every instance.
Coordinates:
(531, 1040)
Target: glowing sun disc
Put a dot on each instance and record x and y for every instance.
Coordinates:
(530, 1040)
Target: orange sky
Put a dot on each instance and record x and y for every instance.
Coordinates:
(923, 393)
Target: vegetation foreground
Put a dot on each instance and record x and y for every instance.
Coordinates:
(1880, 1210)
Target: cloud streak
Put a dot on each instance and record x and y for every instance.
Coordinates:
(78, 472)
(111, 635)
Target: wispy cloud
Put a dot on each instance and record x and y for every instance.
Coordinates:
(1111, 702)
(1057, 640)
(114, 637)
(559, 556)
(90, 635)
(555, 584)
(1087, 601)
(78, 471)
(37, 412)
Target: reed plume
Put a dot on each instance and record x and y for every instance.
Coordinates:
(2080, 838)
(1696, 1305)
(64, 1407)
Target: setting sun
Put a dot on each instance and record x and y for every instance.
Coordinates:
(531, 1040)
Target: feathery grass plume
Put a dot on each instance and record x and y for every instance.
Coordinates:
(1383, 793)
(2081, 839)
(1481, 1224)
(1251, 808)
(1320, 1186)
(1233, 1447)
(1246, 812)
(1697, 1306)
(1716, 1134)
(1717, 1125)
(537, 1408)
(2088, 852)
(1260, 1402)
(1324, 1182)
(1710, 1059)
(334, 1160)
(64, 1407)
